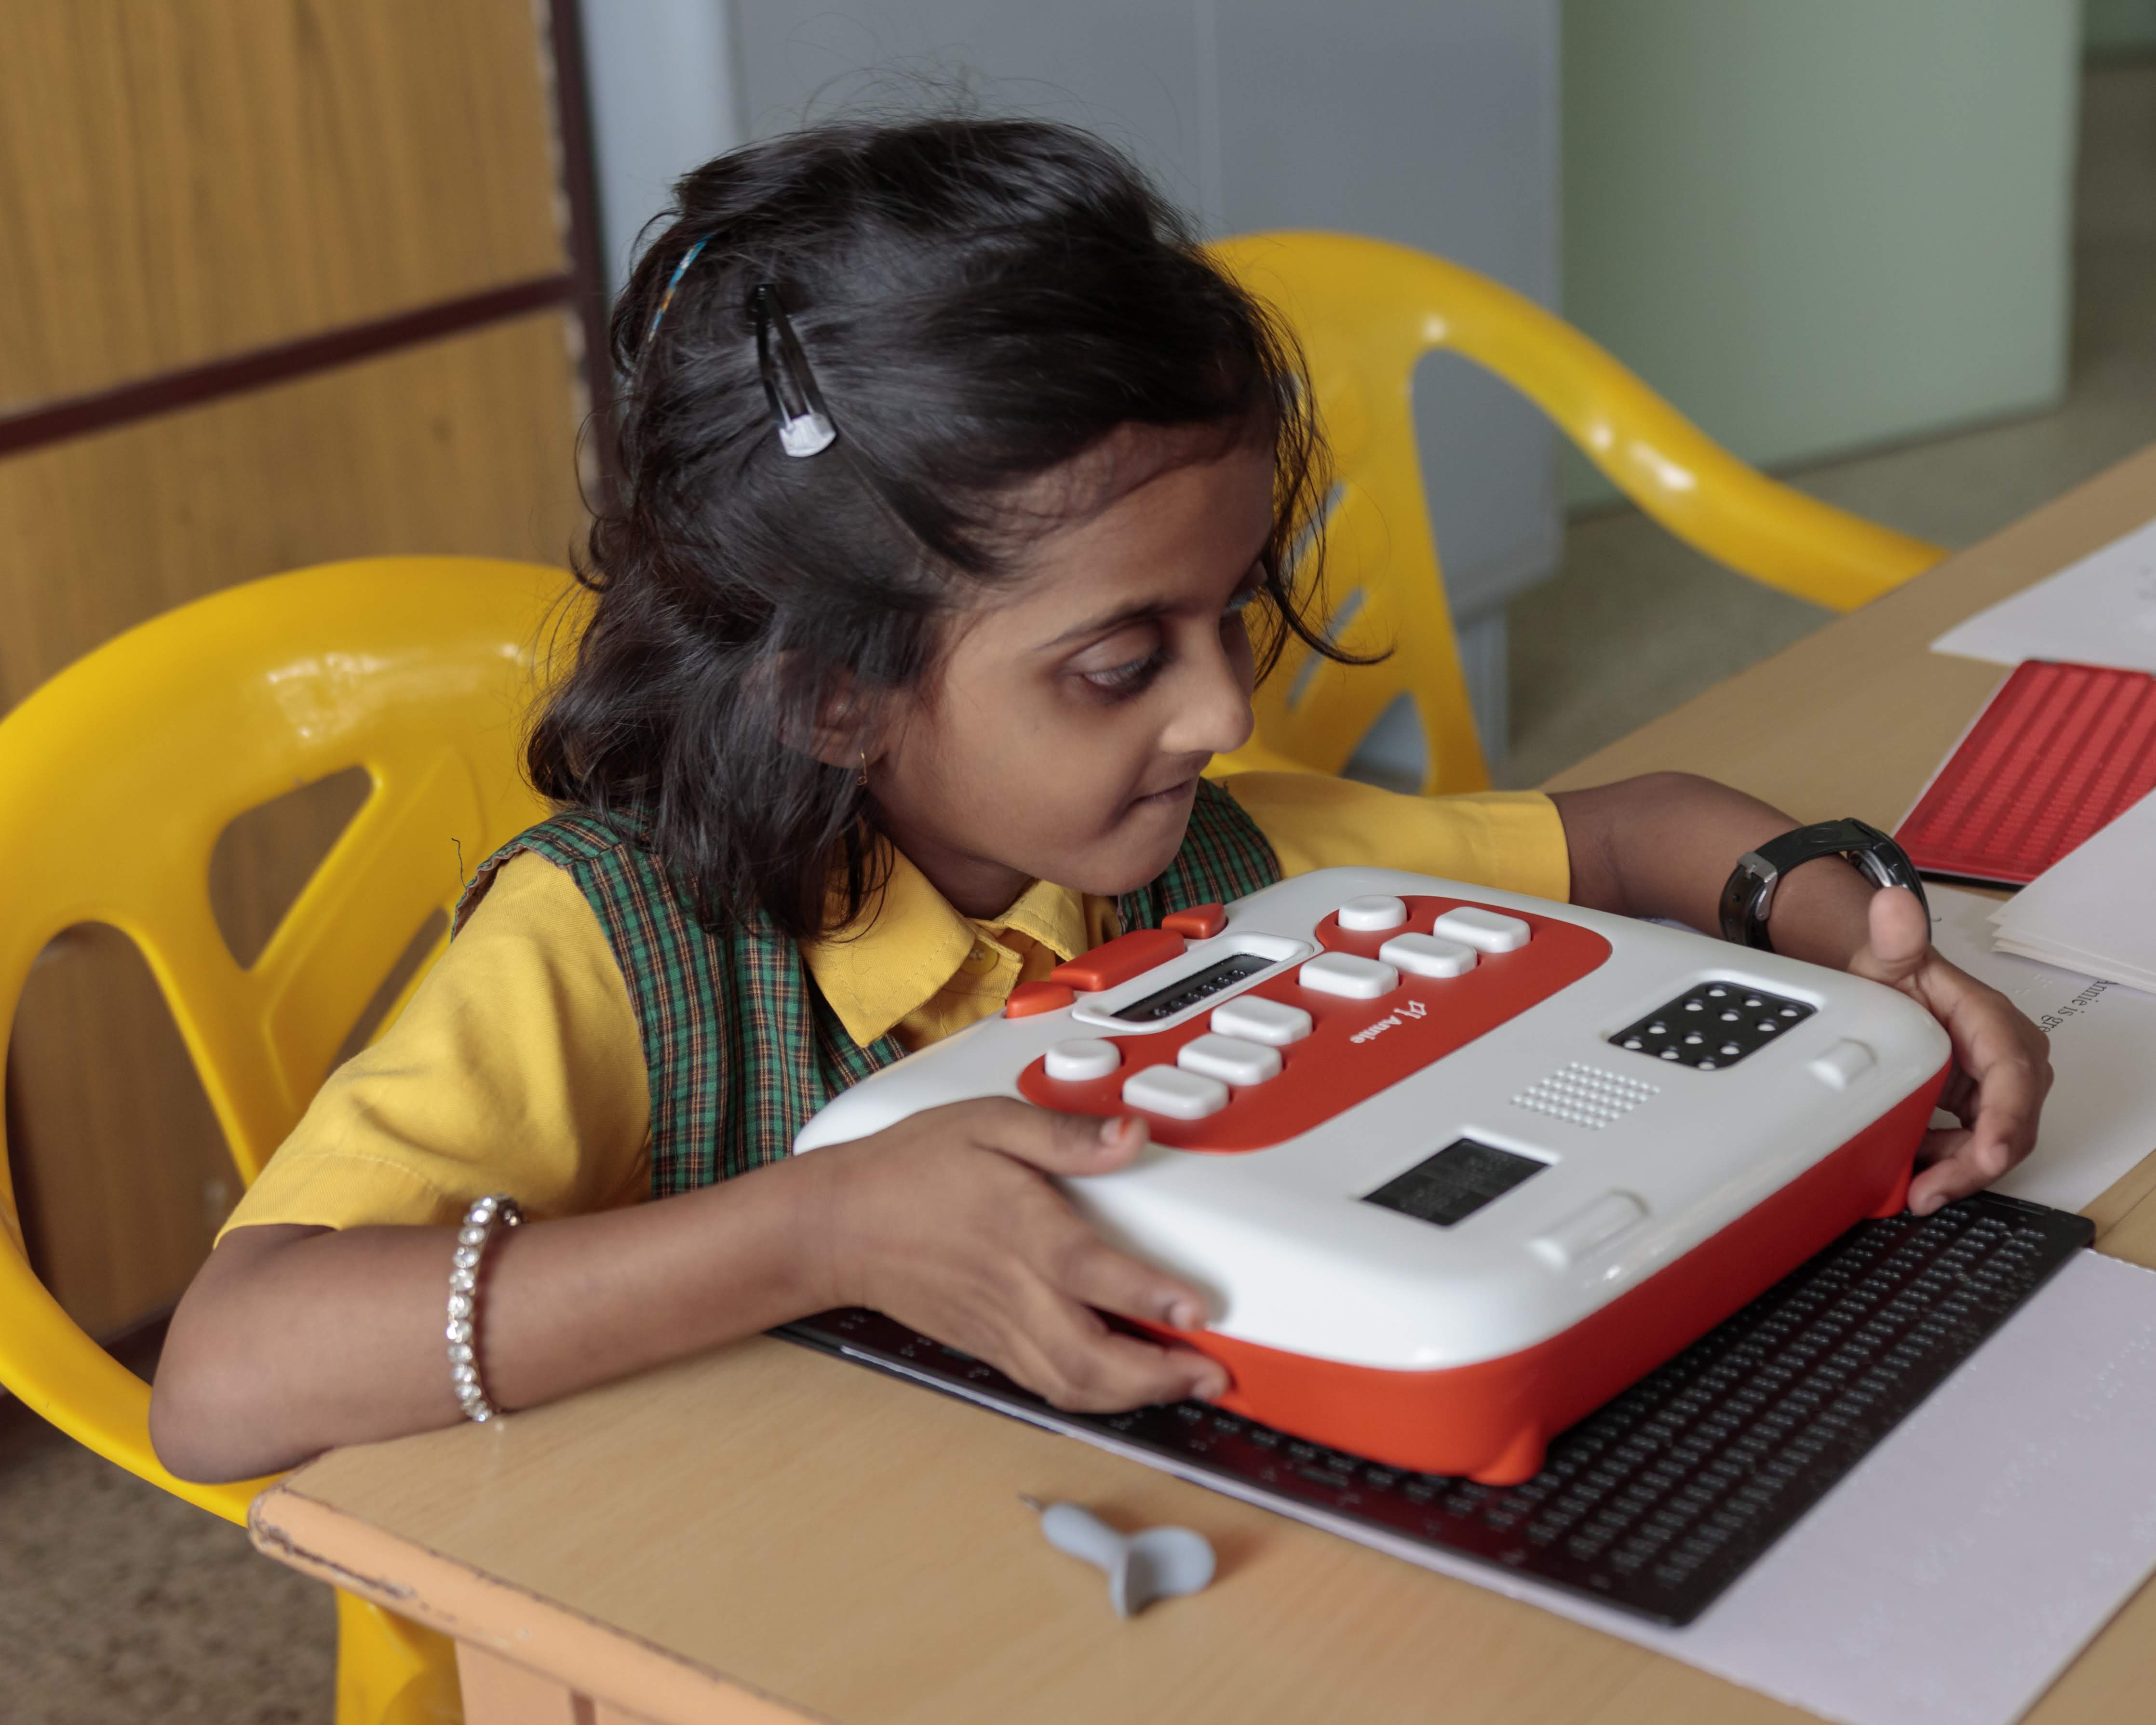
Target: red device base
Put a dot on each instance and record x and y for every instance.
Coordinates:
(1492, 1419)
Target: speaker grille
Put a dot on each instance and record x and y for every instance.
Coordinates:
(1586, 1096)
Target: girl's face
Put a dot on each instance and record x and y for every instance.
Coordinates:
(1064, 738)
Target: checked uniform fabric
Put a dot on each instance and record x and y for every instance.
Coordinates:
(740, 1046)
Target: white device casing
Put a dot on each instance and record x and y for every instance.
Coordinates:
(1290, 1256)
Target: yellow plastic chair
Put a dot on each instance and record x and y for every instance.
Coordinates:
(116, 779)
(1366, 311)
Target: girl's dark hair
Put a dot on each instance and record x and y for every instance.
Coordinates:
(979, 301)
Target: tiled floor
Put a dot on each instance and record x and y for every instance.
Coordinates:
(120, 1604)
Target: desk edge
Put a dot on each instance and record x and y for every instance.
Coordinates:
(480, 1611)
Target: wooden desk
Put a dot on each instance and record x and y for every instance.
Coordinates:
(764, 1534)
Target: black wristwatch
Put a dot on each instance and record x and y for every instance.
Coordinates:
(1749, 899)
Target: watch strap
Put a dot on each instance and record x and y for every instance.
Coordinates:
(1748, 897)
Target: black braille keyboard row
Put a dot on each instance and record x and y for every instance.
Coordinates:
(1659, 1499)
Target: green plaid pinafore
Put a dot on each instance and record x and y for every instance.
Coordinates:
(740, 1046)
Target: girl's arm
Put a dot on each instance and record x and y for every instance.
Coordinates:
(293, 1339)
(1663, 846)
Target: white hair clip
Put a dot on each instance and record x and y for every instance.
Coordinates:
(804, 429)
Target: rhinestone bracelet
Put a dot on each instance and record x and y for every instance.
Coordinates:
(472, 1241)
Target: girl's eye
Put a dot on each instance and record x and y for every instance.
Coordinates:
(1128, 679)
(1125, 661)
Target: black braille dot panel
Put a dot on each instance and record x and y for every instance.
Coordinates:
(1712, 1025)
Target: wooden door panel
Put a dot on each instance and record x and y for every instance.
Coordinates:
(179, 182)
(464, 445)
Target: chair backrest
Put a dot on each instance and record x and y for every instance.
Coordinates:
(1366, 311)
(116, 779)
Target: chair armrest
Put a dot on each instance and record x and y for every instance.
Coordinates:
(1672, 470)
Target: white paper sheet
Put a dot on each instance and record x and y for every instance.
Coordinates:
(1967, 1560)
(2106, 967)
(2100, 1119)
(1952, 1575)
(2099, 611)
(2090, 910)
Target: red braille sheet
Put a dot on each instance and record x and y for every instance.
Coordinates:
(2060, 750)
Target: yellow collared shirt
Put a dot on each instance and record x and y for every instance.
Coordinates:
(518, 1066)
(914, 966)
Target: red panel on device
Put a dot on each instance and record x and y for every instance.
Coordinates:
(1118, 960)
(1028, 999)
(1200, 922)
(1356, 1048)
(1491, 1420)
(2060, 751)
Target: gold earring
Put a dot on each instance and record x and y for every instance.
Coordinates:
(863, 780)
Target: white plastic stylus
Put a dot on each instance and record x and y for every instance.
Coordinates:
(1153, 1564)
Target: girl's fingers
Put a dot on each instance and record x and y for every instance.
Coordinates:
(1899, 938)
(1079, 1363)
(1940, 1143)
(2004, 1056)
(2001, 1130)
(1996, 1089)
(1089, 1270)
(1055, 1143)
(1967, 1167)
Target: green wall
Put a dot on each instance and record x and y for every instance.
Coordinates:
(1821, 226)
(2118, 26)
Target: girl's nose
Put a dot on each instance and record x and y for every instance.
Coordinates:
(1214, 715)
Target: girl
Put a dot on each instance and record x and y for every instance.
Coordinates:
(959, 491)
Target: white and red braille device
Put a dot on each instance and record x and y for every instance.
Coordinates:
(1455, 1165)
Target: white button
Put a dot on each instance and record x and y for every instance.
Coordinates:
(1086, 1057)
(1484, 931)
(1174, 1092)
(1230, 1058)
(1255, 1018)
(1423, 955)
(1601, 1222)
(1344, 973)
(1842, 1065)
(1368, 915)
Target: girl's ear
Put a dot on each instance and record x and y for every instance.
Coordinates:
(843, 734)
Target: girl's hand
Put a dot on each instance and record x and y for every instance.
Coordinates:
(948, 1223)
(2002, 1067)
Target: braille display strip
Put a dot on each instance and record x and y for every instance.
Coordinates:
(1659, 1500)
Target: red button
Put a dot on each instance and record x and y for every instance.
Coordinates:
(1028, 999)
(1200, 922)
(1123, 958)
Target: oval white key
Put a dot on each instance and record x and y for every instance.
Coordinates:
(1174, 1092)
(1344, 974)
(1372, 912)
(1229, 1059)
(1425, 955)
(1082, 1058)
(1255, 1018)
(1580, 1234)
(1486, 931)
